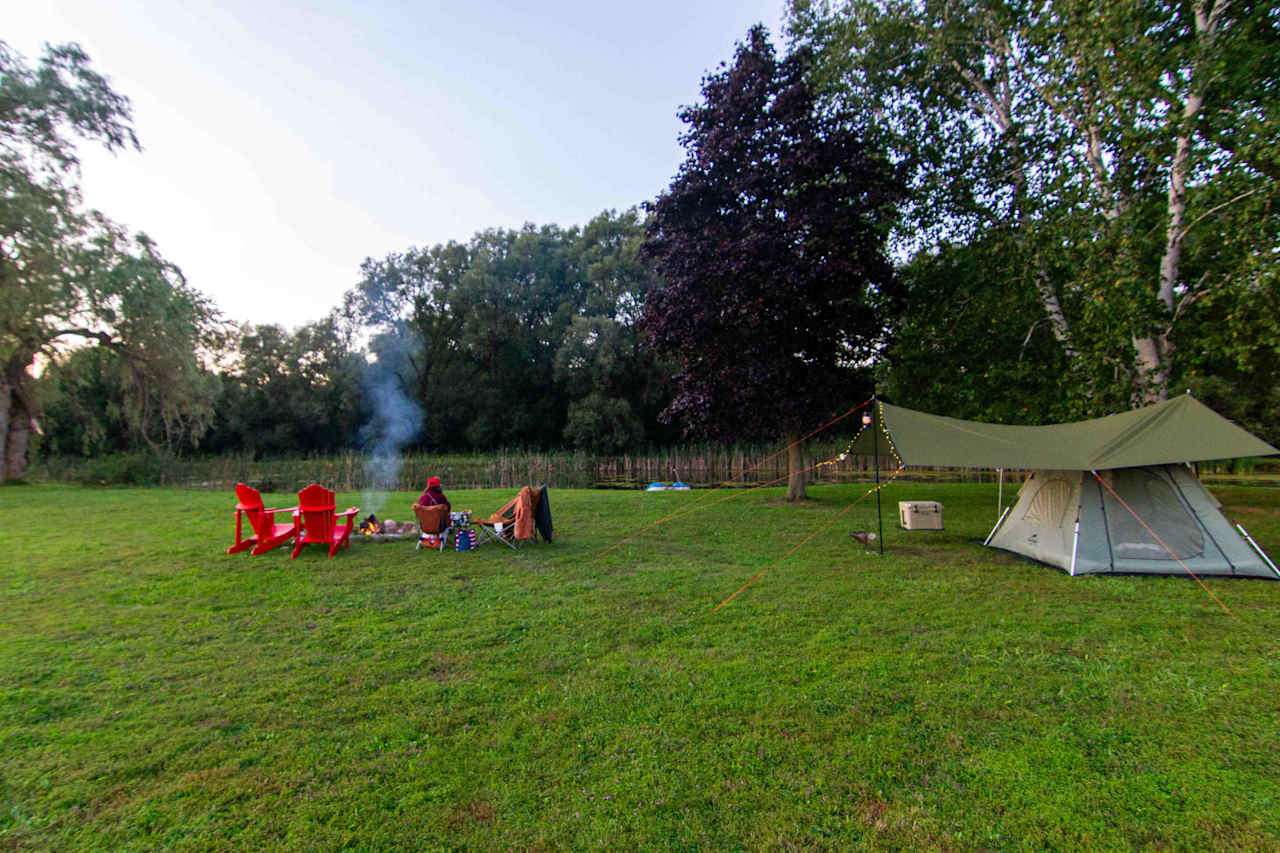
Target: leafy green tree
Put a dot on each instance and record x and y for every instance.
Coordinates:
(78, 396)
(593, 367)
(290, 392)
(965, 345)
(613, 386)
(1231, 350)
(68, 276)
(1129, 138)
(501, 331)
(771, 243)
(515, 301)
(407, 295)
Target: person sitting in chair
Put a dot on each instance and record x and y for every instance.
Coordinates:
(435, 495)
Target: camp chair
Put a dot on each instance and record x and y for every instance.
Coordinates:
(542, 514)
(516, 522)
(319, 522)
(513, 523)
(432, 521)
(266, 533)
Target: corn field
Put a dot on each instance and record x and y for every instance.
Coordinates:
(699, 466)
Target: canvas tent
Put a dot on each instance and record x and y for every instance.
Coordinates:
(1110, 495)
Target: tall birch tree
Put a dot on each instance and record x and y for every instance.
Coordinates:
(1128, 139)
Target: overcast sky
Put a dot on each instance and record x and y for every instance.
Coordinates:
(286, 142)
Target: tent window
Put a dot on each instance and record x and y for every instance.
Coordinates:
(1049, 506)
(1155, 501)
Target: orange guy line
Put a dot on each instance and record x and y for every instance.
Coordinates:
(1162, 545)
(830, 522)
(699, 504)
(707, 495)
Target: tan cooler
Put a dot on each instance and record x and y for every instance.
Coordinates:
(920, 515)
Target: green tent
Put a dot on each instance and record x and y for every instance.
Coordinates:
(1114, 494)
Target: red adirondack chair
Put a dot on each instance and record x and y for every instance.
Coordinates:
(319, 521)
(266, 533)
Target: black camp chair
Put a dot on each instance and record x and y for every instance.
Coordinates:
(542, 514)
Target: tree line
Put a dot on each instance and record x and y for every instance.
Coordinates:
(518, 338)
(1007, 211)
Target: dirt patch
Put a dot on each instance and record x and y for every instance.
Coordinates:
(476, 811)
(548, 719)
(214, 723)
(936, 554)
(445, 668)
(212, 777)
(1255, 511)
(873, 812)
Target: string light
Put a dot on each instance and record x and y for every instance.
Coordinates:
(848, 451)
(893, 449)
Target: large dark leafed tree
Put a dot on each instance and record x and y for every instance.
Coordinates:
(70, 277)
(771, 242)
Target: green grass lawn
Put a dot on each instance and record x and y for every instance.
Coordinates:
(159, 694)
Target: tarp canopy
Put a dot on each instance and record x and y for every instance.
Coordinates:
(1179, 430)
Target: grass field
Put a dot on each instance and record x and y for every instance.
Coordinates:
(158, 694)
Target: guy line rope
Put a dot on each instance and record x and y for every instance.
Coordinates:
(700, 503)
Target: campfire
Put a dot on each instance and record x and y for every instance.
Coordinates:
(381, 530)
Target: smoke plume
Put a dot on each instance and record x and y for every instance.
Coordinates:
(396, 420)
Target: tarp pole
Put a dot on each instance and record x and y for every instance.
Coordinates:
(1075, 547)
(1000, 495)
(875, 439)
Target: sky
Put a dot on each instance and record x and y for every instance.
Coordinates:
(284, 143)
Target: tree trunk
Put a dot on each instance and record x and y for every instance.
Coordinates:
(1053, 310)
(6, 403)
(795, 468)
(996, 106)
(1155, 352)
(15, 448)
(17, 418)
(1151, 380)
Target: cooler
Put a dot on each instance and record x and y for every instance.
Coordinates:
(920, 515)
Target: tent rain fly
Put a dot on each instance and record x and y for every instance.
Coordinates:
(1173, 431)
